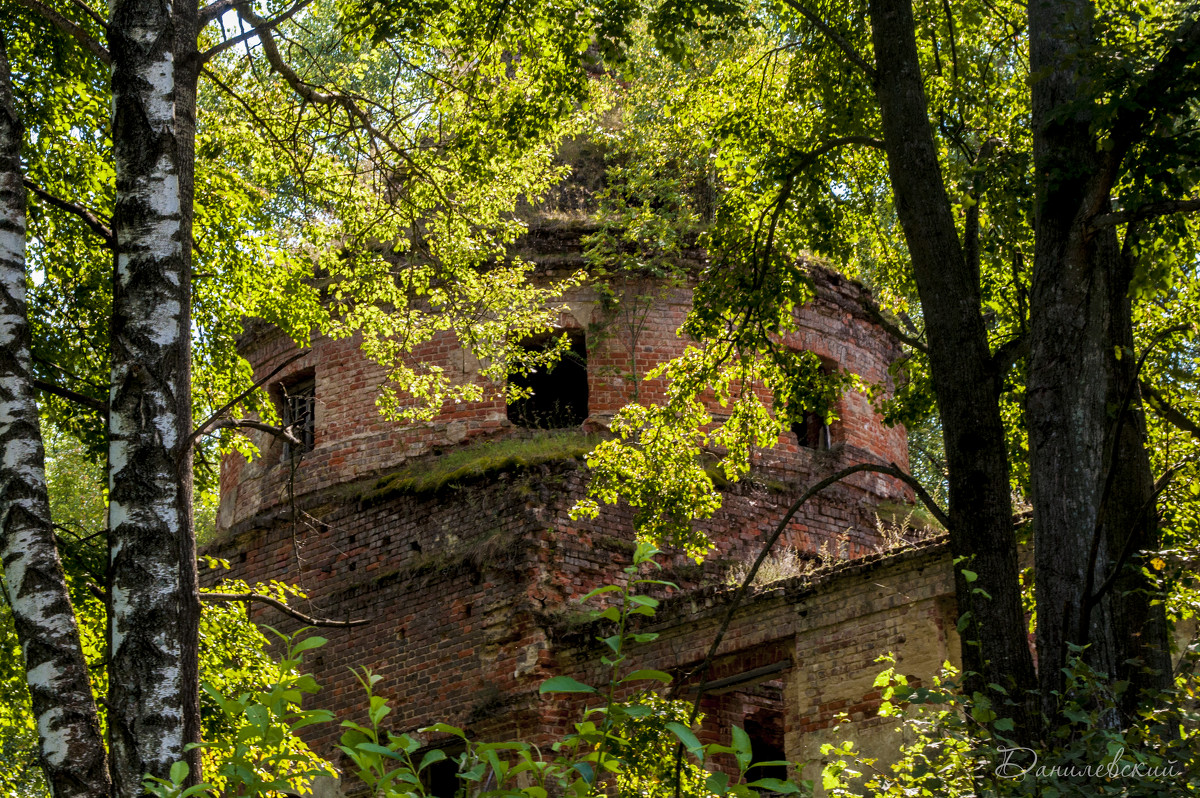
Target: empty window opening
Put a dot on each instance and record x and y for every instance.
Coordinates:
(812, 432)
(440, 778)
(299, 416)
(765, 731)
(560, 394)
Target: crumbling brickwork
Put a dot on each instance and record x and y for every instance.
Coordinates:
(470, 586)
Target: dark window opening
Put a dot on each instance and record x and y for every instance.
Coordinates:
(812, 432)
(441, 778)
(560, 394)
(299, 401)
(765, 735)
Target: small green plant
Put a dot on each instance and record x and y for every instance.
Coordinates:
(263, 755)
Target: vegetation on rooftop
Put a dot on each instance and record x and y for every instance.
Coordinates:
(476, 462)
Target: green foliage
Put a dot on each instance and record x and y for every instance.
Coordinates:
(259, 752)
(959, 745)
(631, 740)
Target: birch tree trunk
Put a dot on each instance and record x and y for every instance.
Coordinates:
(153, 696)
(71, 750)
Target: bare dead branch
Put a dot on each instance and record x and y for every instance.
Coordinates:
(279, 605)
(71, 28)
(283, 433)
(204, 429)
(89, 217)
(891, 470)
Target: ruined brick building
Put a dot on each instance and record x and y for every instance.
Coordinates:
(461, 553)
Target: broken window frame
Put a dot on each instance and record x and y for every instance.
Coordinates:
(298, 409)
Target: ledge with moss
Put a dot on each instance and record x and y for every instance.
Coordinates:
(431, 475)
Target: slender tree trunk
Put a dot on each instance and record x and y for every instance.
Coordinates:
(153, 690)
(1129, 517)
(1090, 494)
(71, 750)
(995, 649)
(187, 73)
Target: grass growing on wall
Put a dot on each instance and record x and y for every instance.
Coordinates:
(476, 462)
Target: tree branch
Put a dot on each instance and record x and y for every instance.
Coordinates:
(256, 30)
(231, 598)
(283, 433)
(891, 329)
(204, 429)
(1150, 210)
(71, 28)
(212, 11)
(891, 470)
(1138, 108)
(89, 217)
(73, 396)
(1008, 353)
(855, 57)
(1167, 412)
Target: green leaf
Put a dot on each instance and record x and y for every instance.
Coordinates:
(647, 674)
(742, 748)
(599, 591)
(689, 740)
(775, 785)
(564, 684)
(308, 643)
(970, 576)
(179, 772)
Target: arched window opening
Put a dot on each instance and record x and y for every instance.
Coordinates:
(560, 394)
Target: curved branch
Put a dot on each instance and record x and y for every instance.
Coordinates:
(231, 598)
(257, 30)
(212, 11)
(891, 470)
(208, 426)
(71, 28)
(283, 433)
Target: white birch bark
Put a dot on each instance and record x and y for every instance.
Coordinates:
(71, 749)
(152, 697)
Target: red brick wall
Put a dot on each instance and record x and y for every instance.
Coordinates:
(470, 594)
(352, 440)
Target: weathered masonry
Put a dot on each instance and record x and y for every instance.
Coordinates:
(454, 539)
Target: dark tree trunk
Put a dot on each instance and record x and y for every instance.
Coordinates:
(995, 649)
(1089, 494)
(152, 670)
(71, 749)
